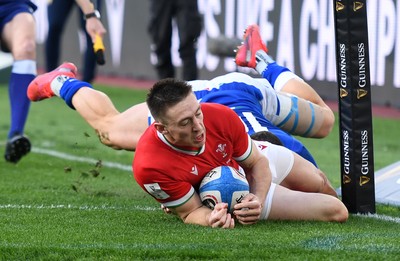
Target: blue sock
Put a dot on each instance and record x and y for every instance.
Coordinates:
(272, 71)
(69, 88)
(23, 72)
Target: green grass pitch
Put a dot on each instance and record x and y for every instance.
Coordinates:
(75, 199)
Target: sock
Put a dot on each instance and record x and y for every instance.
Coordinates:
(69, 87)
(262, 60)
(22, 73)
(268, 68)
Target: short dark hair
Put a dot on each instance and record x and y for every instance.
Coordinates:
(166, 93)
(266, 136)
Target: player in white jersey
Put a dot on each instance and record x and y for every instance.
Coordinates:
(254, 101)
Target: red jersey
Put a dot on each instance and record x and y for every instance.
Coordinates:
(171, 174)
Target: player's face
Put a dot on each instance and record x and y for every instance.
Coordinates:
(185, 125)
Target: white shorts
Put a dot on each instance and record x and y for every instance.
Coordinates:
(280, 159)
(268, 202)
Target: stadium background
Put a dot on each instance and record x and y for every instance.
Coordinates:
(299, 34)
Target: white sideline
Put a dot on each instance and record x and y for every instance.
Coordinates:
(66, 156)
(69, 206)
(141, 208)
(380, 217)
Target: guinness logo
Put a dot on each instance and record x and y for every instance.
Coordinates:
(339, 6)
(346, 179)
(357, 6)
(364, 180)
(361, 93)
(343, 93)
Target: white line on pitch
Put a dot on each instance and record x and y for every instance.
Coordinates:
(73, 207)
(380, 217)
(141, 208)
(66, 156)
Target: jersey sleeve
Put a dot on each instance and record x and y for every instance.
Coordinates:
(169, 192)
(157, 176)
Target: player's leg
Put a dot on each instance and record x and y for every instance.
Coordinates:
(304, 176)
(160, 31)
(292, 171)
(303, 112)
(58, 12)
(285, 204)
(115, 129)
(189, 24)
(19, 37)
(304, 118)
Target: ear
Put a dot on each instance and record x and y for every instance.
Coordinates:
(160, 127)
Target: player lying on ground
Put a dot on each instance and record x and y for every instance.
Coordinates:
(189, 139)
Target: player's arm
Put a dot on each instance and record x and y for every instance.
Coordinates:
(93, 24)
(194, 212)
(258, 174)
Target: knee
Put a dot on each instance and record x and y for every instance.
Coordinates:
(327, 126)
(325, 186)
(338, 212)
(25, 50)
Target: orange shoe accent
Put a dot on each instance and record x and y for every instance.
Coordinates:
(246, 53)
(39, 88)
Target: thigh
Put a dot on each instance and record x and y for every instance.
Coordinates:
(19, 35)
(127, 127)
(296, 205)
(304, 176)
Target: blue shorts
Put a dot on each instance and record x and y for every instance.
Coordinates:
(10, 8)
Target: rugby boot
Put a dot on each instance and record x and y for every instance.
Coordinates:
(17, 147)
(40, 88)
(246, 53)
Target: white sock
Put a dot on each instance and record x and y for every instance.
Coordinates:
(57, 83)
(263, 59)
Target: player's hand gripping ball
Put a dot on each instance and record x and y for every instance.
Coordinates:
(223, 184)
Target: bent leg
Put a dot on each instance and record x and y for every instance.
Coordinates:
(295, 205)
(304, 118)
(324, 117)
(305, 113)
(304, 176)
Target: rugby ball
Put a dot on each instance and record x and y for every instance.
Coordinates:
(223, 184)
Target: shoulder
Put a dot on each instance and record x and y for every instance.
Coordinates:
(215, 107)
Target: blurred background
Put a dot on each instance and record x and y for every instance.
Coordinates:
(299, 34)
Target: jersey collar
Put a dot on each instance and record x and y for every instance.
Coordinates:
(186, 150)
